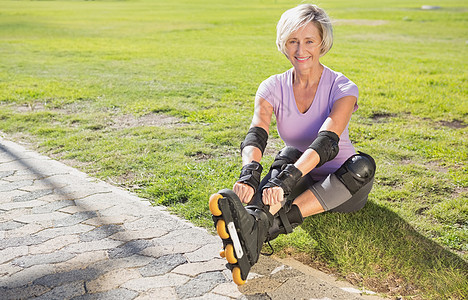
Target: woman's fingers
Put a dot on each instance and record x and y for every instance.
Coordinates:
(243, 191)
(272, 196)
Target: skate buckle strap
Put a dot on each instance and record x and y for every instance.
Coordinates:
(284, 219)
(235, 240)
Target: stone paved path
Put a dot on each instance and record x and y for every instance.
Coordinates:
(65, 235)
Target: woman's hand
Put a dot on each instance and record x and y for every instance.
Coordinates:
(243, 191)
(273, 195)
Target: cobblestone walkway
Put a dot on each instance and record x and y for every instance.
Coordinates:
(65, 235)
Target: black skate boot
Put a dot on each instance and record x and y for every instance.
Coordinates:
(285, 222)
(242, 229)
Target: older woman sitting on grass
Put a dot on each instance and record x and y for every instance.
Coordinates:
(318, 170)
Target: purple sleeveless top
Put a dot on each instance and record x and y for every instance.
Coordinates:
(300, 130)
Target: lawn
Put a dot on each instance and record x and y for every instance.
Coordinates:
(156, 96)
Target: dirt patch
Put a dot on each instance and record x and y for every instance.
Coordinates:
(360, 22)
(456, 124)
(201, 156)
(459, 191)
(311, 262)
(274, 146)
(434, 165)
(391, 285)
(127, 180)
(157, 120)
(29, 107)
(421, 210)
(381, 117)
(116, 121)
(38, 106)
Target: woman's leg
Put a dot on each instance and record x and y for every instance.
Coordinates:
(308, 204)
(347, 189)
(344, 191)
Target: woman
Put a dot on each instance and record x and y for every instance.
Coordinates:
(318, 170)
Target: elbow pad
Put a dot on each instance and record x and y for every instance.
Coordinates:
(257, 137)
(326, 145)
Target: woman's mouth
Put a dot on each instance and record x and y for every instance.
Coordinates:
(301, 59)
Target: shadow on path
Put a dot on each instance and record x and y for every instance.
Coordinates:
(65, 235)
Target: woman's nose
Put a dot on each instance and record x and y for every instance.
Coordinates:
(299, 49)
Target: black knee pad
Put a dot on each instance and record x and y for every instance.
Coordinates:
(357, 171)
(287, 155)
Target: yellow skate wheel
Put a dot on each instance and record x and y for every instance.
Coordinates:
(222, 253)
(214, 208)
(221, 229)
(229, 253)
(236, 276)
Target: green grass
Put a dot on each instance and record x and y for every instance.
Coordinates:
(75, 74)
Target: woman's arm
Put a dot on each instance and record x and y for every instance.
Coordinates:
(262, 118)
(336, 122)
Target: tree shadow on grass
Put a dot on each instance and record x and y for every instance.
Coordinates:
(377, 248)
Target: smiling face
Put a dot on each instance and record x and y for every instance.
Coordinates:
(303, 47)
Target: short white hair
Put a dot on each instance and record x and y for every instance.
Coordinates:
(300, 16)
